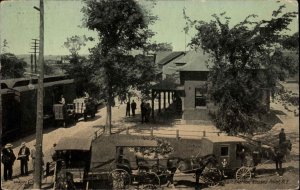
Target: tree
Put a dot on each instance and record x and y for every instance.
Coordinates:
(156, 47)
(79, 67)
(4, 46)
(247, 59)
(74, 43)
(122, 25)
(12, 67)
(291, 42)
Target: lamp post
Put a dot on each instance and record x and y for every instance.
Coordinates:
(40, 103)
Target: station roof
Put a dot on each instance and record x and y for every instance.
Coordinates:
(169, 56)
(74, 143)
(195, 61)
(222, 139)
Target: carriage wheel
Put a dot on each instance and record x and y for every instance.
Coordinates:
(212, 177)
(158, 169)
(150, 180)
(243, 173)
(120, 179)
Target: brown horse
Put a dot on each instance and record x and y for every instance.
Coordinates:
(190, 165)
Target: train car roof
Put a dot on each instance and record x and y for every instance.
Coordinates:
(74, 143)
(223, 139)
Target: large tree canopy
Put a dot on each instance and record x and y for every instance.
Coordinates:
(247, 59)
(122, 26)
(12, 67)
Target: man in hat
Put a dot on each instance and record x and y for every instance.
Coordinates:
(23, 156)
(8, 159)
(282, 137)
(33, 156)
(133, 107)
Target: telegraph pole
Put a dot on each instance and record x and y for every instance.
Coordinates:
(34, 46)
(31, 63)
(1, 127)
(40, 93)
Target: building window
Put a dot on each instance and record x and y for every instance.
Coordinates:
(200, 97)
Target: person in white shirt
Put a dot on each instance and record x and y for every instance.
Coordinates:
(62, 100)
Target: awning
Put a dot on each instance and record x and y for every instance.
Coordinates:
(73, 143)
(165, 85)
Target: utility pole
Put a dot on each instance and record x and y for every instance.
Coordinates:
(1, 127)
(40, 103)
(34, 46)
(31, 63)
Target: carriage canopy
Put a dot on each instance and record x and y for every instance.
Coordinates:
(74, 143)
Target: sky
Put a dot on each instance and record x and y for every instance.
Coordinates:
(19, 22)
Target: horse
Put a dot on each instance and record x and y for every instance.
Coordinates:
(190, 165)
(279, 152)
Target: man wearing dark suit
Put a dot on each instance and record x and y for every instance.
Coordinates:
(133, 107)
(23, 156)
(282, 137)
(8, 159)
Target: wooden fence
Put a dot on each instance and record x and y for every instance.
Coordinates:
(164, 132)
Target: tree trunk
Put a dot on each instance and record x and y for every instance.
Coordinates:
(108, 106)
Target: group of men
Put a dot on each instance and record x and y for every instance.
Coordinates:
(145, 110)
(8, 159)
(132, 106)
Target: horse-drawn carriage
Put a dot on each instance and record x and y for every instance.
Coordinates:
(135, 162)
(126, 161)
(121, 166)
(72, 158)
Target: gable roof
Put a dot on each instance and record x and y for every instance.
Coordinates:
(168, 56)
(195, 61)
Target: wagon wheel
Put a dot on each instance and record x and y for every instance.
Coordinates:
(212, 177)
(120, 179)
(243, 173)
(158, 169)
(150, 180)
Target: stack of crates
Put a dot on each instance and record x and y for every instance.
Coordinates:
(80, 105)
(58, 111)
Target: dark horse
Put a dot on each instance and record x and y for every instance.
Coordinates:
(279, 153)
(190, 165)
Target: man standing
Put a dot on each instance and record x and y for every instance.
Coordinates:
(256, 157)
(143, 111)
(62, 100)
(23, 156)
(282, 137)
(128, 108)
(33, 156)
(8, 159)
(133, 107)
